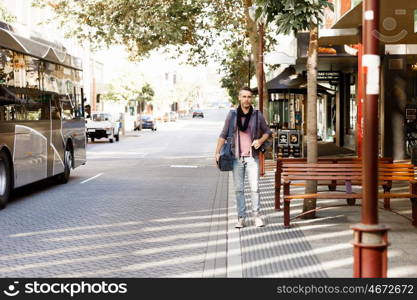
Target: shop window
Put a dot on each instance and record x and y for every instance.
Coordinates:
(352, 110)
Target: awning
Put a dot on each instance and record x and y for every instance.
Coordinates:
(12, 41)
(290, 82)
(397, 22)
(338, 36)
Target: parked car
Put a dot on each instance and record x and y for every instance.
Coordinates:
(166, 117)
(173, 116)
(102, 125)
(148, 122)
(198, 113)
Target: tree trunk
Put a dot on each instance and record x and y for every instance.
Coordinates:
(312, 148)
(254, 37)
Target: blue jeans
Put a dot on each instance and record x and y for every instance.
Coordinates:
(240, 167)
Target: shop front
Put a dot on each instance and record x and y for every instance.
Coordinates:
(398, 50)
(287, 113)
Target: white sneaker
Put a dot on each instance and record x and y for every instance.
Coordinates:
(240, 223)
(259, 222)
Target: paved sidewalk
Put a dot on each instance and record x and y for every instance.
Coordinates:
(312, 248)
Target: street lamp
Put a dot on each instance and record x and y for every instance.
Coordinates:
(260, 21)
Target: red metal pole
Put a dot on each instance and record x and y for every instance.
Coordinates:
(359, 120)
(261, 88)
(370, 150)
(370, 238)
(261, 67)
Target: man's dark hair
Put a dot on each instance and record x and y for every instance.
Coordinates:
(245, 88)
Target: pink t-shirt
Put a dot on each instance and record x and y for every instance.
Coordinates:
(245, 142)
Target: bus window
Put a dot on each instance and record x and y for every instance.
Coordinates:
(37, 106)
(68, 112)
(6, 67)
(32, 72)
(34, 112)
(55, 108)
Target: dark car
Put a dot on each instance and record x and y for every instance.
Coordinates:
(148, 122)
(198, 113)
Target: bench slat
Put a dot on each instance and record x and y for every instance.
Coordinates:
(321, 170)
(335, 195)
(297, 177)
(336, 166)
(324, 196)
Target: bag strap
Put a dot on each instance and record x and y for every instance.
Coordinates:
(256, 126)
(238, 140)
(231, 125)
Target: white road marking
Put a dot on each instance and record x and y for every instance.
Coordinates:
(184, 166)
(98, 175)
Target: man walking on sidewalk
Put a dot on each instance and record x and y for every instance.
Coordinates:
(250, 132)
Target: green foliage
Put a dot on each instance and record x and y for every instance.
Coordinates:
(147, 93)
(291, 16)
(5, 16)
(126, 88)
(198, 28)
(146, 25)
(236, 70)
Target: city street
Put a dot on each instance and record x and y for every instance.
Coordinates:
(325, 89)
(141, 207)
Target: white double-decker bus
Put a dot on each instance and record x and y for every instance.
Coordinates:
(42, 128)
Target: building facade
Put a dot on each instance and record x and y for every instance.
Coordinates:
(398, 50)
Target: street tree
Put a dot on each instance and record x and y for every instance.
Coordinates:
(237, 70)
(200, 28)
(5, 15)
(146, 96)
(292, 16)
(127, 87)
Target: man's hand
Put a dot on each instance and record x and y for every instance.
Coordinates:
(256, 144)
(217, 157)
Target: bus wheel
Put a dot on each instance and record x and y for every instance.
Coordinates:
(64, 177)
(5, 179)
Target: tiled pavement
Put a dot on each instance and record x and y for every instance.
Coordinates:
(314, 248)
(194, 237)
(272, 251)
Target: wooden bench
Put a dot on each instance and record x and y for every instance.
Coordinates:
(350, 174)
(332, 185)
(389, 173)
